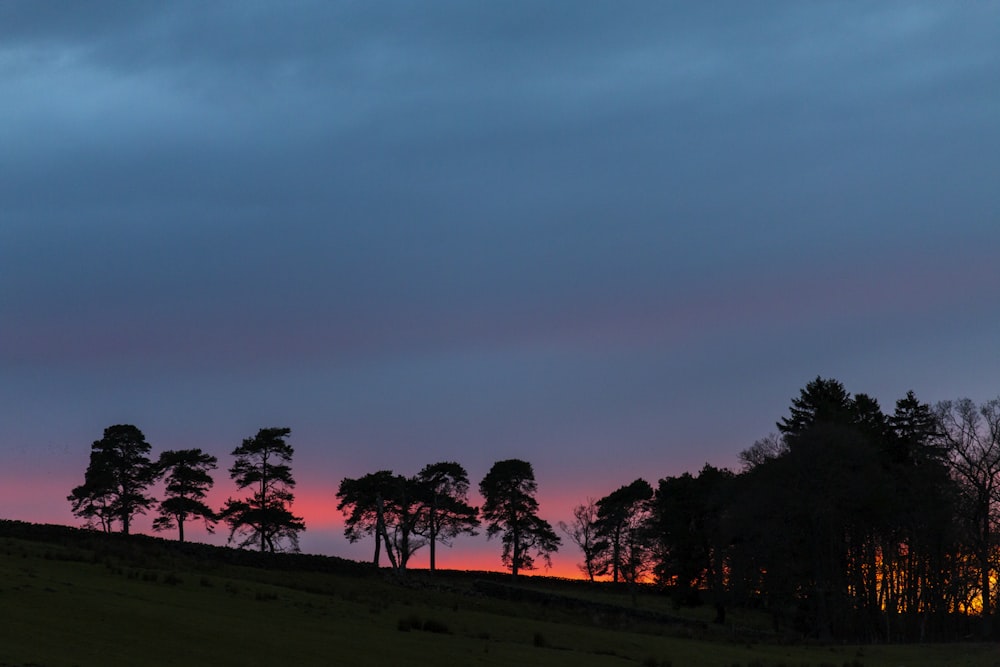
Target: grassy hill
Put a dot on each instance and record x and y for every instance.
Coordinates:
(70, 597)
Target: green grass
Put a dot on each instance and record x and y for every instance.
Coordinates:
(66, 601)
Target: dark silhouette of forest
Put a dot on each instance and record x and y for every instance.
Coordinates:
(849, 523)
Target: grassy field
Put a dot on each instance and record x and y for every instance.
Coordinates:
(80, 599)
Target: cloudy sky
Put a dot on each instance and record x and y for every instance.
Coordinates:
(613, 239)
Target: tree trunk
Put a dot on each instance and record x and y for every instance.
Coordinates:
(380, 526)
(985, 575)
(180, 529)
(263, 494)
(404, 547)
(616, 555)
(432, 530)
(515, 553)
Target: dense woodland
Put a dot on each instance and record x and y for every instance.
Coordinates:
(849, 523)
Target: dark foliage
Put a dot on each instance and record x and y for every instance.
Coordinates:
(116, 479)
(188, 481)
(510, 510)
(264, 518)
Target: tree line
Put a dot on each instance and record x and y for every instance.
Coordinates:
(402, 513)
(120, 472)
(848, 523)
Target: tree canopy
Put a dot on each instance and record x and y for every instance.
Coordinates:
(849, 523)
(385, 505)
(442, 491)
(622, 523)
(264, 517)
(188, 480)
(116, 480)
(407, 513)
(510, 510)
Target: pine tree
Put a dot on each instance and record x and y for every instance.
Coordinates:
(264, 517)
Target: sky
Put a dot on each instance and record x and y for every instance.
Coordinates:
(612, 239)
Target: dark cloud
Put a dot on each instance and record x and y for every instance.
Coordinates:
(466, 230)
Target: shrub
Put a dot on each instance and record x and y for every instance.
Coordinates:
(431, 625)
(653, 662)
(407, 623)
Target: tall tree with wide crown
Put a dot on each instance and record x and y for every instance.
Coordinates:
(116, 479)
(264, 517)
(188, 480)
(443, 490)
(510, 509)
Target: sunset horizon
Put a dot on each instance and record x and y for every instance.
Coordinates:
(696, 294)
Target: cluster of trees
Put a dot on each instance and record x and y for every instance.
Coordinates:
(120, 473)
(407, 513)
(848, 523)
(402, 513)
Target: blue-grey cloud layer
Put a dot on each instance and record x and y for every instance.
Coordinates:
(563, 231)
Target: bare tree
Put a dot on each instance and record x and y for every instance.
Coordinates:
(583, 532)
(763, 450)
(972, 436)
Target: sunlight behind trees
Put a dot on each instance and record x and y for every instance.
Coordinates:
(849, 523)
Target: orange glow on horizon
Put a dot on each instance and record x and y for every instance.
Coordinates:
(43, 500)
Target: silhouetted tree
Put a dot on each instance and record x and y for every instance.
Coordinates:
(583, 532)
(442, 491)
(763, 450)
(972, 436)
(850, 523)
(918, 564)
(917, 433)
(822, 401)
(402, 512)
(188, 480)
(116, 479)
(94, 500)
(814, 520)
(361, 502)
(621, 523)
(264, 517)
(510, 508)
(387, 506)
(689, 513)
